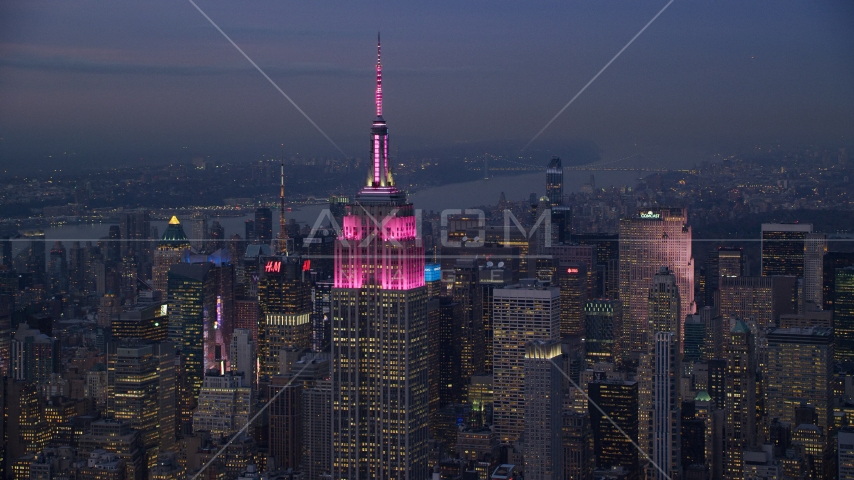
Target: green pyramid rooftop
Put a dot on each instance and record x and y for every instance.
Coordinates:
(174, 235)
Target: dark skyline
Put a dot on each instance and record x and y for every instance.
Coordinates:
(128, 83)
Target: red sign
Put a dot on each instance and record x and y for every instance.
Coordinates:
(306, 265)
(273, 266)
(571, 270)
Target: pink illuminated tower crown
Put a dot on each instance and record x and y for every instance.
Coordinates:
(378, 243)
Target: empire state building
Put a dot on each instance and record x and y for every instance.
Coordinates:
(379, 329)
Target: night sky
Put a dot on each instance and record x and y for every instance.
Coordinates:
(117, 83)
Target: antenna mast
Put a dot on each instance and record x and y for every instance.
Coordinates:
(283, 235)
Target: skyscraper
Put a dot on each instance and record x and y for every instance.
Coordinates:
(522, 313)
(740, 401)
(651, 239)
(655, 370)
(192, 310)
(800, 369)
(169, 251)
(783, 246)
(471, 338)
(379, 329)
(543, 402)
(225, 401)
(572, 279)
(142, 391)
(603, 321)
(759, 299)
(489, 279)
(666, 403)
(317, 418)
(135, 228)
(614, 443)
(577, 446)
(554, 182)
(832, 261)
(725, 262)
(815, 247)
(242, 358)
(664, 304)
(263, 229)
(843, 314)
(35, 356)
(58, 269)
(285, 301)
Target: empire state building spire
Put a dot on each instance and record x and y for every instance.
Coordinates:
(379, 93)
(379, 178)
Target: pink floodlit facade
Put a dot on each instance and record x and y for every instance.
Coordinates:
(379, 251)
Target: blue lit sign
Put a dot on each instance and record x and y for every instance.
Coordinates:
(432, 272)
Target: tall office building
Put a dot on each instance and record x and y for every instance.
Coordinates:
(522, 313)
(740, 400)
(783, 247)
(35, 356)
(845, 449)
(145, 321)
(247, 315)
(192, 309)
(225, 403)
(759, 299)
(832, 261)
(664, 313)
(242, 358)
(554, 182)
(285, 302)
(321, 299)
(169, 250)
(543, 402)
(287, 425)
(471, 339)
(444, 356)
(725, 262)
(573, 282)
(116, 436)
(649, 240)
(614, 443)
(263, 228)
(135, 228)
(664, 309)
(815, 247)
(607, 262)
(35, 257)
(379, 329)
(490, 278)
(316, 418)
(800, 370)
(730, 262)
(843, 314)
(694, 343)
(603, 322)
(57, 269)
(142, 390)
(577, 446)
(6, 306)
(666, 414)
